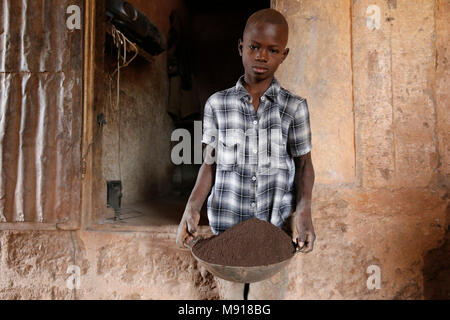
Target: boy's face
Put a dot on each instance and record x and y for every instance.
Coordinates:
(263, 50)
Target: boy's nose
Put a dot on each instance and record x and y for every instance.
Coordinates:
(262, 55)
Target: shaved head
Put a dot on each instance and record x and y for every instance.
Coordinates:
(269, 16)
(263, 47)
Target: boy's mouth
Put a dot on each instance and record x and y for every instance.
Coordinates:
(259, 69)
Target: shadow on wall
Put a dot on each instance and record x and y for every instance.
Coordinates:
(436, 270)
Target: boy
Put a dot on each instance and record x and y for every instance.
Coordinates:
(242, 182)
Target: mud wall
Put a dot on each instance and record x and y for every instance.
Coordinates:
(375, 74)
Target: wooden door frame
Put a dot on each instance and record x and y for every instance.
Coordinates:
(87, 162)
(88, 102)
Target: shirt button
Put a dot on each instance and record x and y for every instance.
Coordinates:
(253, 204)
(255, 122)
(263, 98)
(254, 178)
(255, 151)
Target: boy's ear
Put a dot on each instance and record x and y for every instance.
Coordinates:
(285, 54)
(240, 46)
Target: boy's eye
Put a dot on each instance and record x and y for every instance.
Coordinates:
(274, 50)
(252, 47)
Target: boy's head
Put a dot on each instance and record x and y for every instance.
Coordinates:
(263, 47)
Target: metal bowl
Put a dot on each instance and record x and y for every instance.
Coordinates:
(240, 274)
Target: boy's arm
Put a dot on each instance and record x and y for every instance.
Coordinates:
(187, 229)
(304, 181)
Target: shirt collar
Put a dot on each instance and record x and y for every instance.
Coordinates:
(271, 92)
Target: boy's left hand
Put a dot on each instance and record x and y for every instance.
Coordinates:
(305, 230)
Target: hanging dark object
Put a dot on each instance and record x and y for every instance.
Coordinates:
(136, 26)
(114, 196)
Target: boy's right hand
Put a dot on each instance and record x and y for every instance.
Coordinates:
(187, 230)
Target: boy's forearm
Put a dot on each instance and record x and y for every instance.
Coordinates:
(304, 181)
(203, 185)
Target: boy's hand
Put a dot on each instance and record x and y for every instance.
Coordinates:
(305, 230)
(187, 230)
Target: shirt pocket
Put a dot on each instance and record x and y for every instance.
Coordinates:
(278, 155)
(227, 154)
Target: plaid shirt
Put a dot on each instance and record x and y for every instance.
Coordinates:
(254, 154)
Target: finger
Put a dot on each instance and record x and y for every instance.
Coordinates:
(300, 244)
(301, 238)
(305, 243)
(309, 243)
(309, 247)
(188, 241)
(182, 235)
(303, 248)
(181, 238)
(180, 241)
(191, 227)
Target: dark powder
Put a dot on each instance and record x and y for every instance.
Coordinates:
(253, 242)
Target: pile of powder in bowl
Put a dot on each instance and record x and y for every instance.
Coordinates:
(253, 242)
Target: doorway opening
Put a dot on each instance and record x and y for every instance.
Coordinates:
(138, 104)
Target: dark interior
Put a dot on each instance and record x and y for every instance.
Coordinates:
(201, 51)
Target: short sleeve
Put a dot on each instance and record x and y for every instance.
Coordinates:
(299, 136)
(209, 125)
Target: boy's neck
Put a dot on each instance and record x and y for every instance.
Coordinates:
(257, 88)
